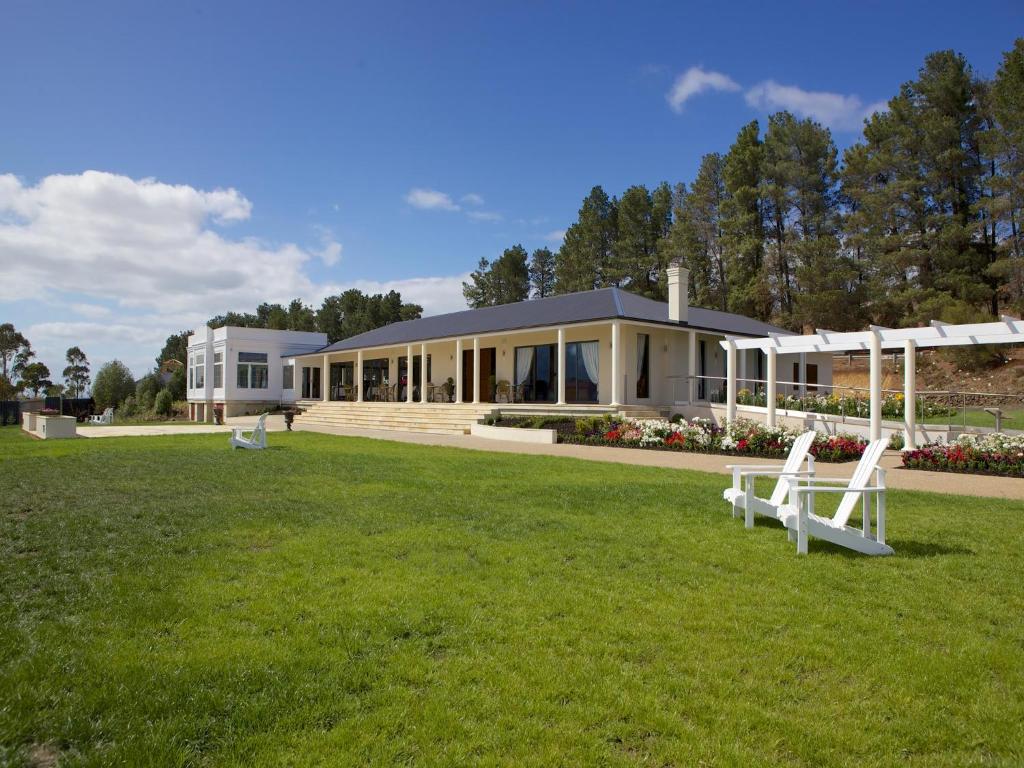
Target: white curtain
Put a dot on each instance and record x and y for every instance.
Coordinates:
(524, 361)
(641, 349)
(590, 351)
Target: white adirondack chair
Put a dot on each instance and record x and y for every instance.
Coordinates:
(798, 516)
(107, 417)
(256, 440)
(741, 494)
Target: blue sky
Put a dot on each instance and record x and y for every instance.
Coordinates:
(256, 151)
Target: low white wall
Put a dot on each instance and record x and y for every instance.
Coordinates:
(28, 421)
(823, 422)
(55, 427)
(515, 434)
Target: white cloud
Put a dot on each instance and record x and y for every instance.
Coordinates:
(484, 215)
(695, 81)
(436, 295)
(472, 199)
(555, 236)
(141, 259)
(430, 200)
(834, 110)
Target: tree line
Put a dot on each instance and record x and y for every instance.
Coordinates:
(20, 373)
(919, 219)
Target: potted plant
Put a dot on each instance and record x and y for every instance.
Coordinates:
(449, 389)
(218, 413)
(289, 417)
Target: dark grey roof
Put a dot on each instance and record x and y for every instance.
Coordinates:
(586, 306)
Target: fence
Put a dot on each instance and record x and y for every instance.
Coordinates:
(79, 407)
(10, 412)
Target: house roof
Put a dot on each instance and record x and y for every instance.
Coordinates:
(565, 309)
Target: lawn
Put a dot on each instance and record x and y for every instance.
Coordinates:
(339, 601)
(1013, 418)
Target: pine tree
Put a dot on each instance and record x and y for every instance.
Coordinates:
(504, 281)
(584, 259)
(542, 273)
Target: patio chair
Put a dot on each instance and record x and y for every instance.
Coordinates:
(257, 439)
(503, 389)
(107, 417)
(741, 494)
(799, 518)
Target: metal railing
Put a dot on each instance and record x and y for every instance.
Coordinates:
(968, 411)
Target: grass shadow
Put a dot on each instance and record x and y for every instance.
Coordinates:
(902, 547)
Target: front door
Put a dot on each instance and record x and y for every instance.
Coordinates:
(488, 363)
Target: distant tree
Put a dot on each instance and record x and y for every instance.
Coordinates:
(76, 373)
(163, 404)
(177, 383)
(146, 390)
(35, 377)
(353, 312)
(504, 281)
(56, 390)
(272, 316)
(175, 348)
(542, 273)
(300, 316)
(113, 383)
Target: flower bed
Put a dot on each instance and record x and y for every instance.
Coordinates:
(742, 437)
(993, 454)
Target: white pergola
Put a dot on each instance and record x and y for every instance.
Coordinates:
(1008, 330)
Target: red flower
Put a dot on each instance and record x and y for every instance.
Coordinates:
(612, 435)
(676, 438)
(741, 445)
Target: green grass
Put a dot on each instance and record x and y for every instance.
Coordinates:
(336, 601)
(1013, 418)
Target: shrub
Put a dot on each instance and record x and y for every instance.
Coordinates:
(164, 403)
(129, 408)
(896, 441)
(146, 391)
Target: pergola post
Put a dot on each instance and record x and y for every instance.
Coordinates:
(730, 381)
(408, 373)
(875, 346)
(476, 370)
(691, 368)
(458, 371)
(803, 374)
(424, 380)
(561, 366)
(325, 381)
(772, 383)
(616, 350)
(741, 359)
(910, 394)
(359, 376)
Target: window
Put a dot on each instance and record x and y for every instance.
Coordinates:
(643, 365)
(199, 375)
(253, 372)
(218, 370)
(287, 377)
(191, 370)
(582, 371)
(537, 373)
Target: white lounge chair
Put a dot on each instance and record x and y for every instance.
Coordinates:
(256, 440)
(798, 516)
(107, 417)
(741, 495)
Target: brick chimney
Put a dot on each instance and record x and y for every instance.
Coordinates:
(678, 292)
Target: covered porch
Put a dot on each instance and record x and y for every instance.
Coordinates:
(601, 364)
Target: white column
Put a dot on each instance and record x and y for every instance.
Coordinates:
(423, 373)
(325, 380)
(358, 378)
(616, 373)
(803, 374)
(561, 366)
(910, 394)
(876, 385)
(476, 370)
(458, 371)
(772, 383)
(691, 368)
(741, 356)
(408, 373)
(730, 381)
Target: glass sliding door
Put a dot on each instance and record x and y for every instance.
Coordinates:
(582, 371)
(536, 373)
(643, 366)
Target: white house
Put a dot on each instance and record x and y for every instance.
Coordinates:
(245, 370)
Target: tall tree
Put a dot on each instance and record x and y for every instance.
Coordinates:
(353, 312)
(583, 260)
(12, 345)
(542, 273)
(300, 316)
(113, 383)
(175, 348)
(503, 281)
(76, 373)
(635, 258)
(743, 228)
